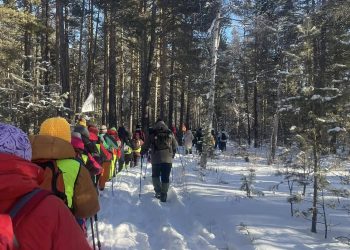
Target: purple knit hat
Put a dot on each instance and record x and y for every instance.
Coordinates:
(15, 142)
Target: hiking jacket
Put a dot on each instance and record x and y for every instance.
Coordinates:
(188, 139)
(50, 225)
(160, 156)
(84, 198)
(220, 136)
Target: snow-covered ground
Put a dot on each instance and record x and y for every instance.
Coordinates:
(207, 210)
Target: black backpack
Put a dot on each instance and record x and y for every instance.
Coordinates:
(162, 140)
(223, 137)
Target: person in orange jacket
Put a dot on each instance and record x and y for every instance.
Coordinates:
(50, 224)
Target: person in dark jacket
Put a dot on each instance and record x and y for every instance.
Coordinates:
(163, 146)
(199, 141)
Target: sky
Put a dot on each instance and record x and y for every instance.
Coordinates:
(207, 210)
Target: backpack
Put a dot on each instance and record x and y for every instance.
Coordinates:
(162, 140)
(53, 179)
(10, 221)
(223, 136)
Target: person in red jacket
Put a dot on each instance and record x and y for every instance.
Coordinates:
(50, 225)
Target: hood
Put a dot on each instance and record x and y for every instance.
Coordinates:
(161, 126)
(17, 177)
(47, 147)
(93, 137)
(82, 130)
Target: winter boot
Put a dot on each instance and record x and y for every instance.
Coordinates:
(157, 186)
(163, 195)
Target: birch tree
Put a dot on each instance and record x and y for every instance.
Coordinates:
(211, 94)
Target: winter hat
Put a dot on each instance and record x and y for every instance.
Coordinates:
(93, 133)
(111, 132)
(114, 129)
(82, 122)
(77, 142)
(93, 130)
(104, 129)
(15, 142)
(56, 127)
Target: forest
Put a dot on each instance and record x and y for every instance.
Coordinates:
(273, 73)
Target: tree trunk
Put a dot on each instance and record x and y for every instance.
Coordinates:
(172, 82)
(211, 97)
(188, 104)
(256, 117)
(90, 49)
(27, 69)
(132, 90)
(149, 68)
(63, 62)
(45, 39)
(182, 106)
(121, 114)
(78, 86)
(315, 196)
(274, 134)
(163, 73)
(105, 99)
(112, 118)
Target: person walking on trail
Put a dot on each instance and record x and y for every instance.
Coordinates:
(43, 224)
(188, 141)
(63, 175)
(223, 137)
(139, 131)
(137, 143)
(199, 141)
(163, 146)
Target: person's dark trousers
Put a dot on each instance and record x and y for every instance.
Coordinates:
(161, 185)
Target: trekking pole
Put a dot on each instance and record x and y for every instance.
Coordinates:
(92, 233)
(141, 176)
(144, 177)
(97, 233)
(112, 185)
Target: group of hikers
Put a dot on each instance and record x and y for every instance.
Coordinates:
(49, 182)
(217, 140)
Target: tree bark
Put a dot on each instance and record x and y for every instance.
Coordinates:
(63, 62)
(211, 96)
(90, 49)
(27, 69)
(171, 81)
(78, 86)
(112, 117)
(149, 68)
(105, 99)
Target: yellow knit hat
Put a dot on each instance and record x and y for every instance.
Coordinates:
(57, 127)
(82, 122)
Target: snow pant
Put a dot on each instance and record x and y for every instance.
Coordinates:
(161, 171)
(137, 160)
(222, 146)
(199, 147)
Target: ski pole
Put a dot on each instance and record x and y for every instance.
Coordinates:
(92, 233)
(97, 233)
(144, 177)
(112, 182)
(141, 176)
